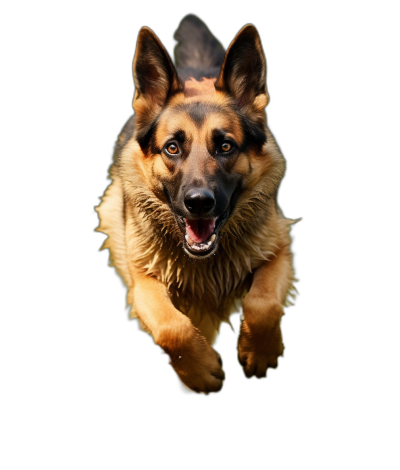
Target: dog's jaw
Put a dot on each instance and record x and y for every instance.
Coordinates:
(200, 237)
(209, 246)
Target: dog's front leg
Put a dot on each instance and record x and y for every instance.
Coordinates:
(260, 341)
(196, 363)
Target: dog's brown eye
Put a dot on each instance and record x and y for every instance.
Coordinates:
(226, 146)
(172, 149)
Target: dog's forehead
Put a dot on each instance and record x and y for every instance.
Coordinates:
(198, 110)
(198, 120)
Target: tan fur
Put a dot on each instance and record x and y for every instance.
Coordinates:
(194, 88)
(182, 301)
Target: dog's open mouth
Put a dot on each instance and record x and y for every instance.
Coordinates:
(200, 235)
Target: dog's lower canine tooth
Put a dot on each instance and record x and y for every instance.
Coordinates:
(213, 237)
(189, 240)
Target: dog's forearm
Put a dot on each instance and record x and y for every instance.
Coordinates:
(260, 341)
(274, 277)
(196, 363)
(152, 305)
(271, 283)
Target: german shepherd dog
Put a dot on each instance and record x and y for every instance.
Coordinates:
(191, 214)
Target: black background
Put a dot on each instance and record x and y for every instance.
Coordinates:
(94, 358)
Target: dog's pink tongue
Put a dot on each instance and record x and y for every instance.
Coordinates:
(199, 230)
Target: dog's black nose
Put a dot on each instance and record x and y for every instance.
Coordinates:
(199, 200)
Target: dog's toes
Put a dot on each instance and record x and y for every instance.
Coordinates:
(249, 369)
(273, 362)
(211, 382)
(261, 367)
(214, 385)
(242, 357)
(220, 374)
(207, 384)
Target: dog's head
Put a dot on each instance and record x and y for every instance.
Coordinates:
(202, 144)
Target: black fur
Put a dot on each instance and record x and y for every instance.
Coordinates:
(254, 134)
(197, 46)
(199, 110)
(198, 53)
(144, 136)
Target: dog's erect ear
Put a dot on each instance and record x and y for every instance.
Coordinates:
(154, 75)
(243, 73)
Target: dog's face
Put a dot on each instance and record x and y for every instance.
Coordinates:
(201, 141)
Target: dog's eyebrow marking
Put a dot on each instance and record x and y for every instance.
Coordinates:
(218, 135)
(180, 136)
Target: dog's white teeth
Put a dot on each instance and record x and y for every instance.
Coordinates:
(211, 240)
(200, 246)
(189, 240)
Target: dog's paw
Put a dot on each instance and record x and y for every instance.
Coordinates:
(198, 365)
(257, 352)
